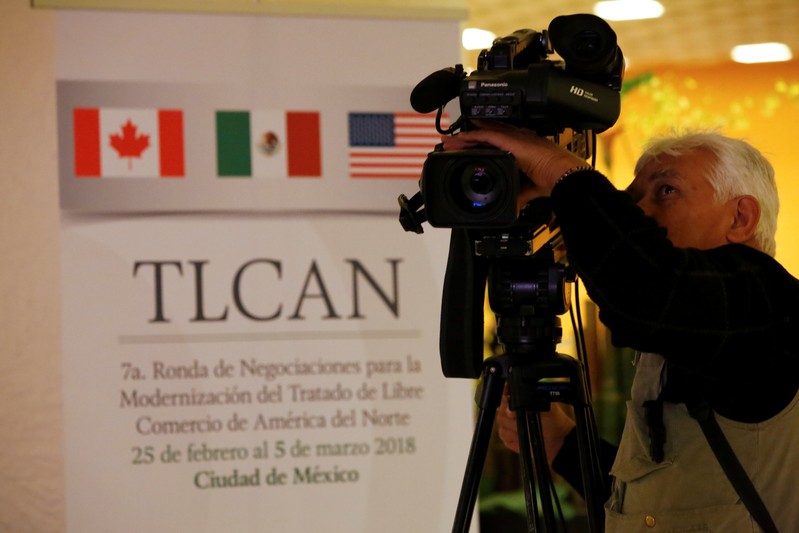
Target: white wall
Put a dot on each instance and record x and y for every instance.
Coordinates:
(31, 442)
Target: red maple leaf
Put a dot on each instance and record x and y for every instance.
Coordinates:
(129, 144)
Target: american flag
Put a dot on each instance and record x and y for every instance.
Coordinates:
(391, 145)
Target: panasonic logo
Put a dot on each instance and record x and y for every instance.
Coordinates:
(493, 84)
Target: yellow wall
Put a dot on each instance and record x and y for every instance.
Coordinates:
(759, 103)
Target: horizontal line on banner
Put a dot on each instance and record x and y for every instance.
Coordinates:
(453, 10)
(269, 337)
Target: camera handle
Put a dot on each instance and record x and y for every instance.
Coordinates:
(412, 213)
(564, 381)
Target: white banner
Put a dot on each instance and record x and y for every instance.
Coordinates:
(253, 374)
(245, 347)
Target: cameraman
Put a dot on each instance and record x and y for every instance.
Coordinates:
(681, 266)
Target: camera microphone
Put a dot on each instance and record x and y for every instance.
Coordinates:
(437, 89)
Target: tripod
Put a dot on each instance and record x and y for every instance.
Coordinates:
(536, 376)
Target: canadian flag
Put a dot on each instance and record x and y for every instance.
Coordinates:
(111, 142)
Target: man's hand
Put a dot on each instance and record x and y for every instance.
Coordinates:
(556, 425)
(540, 159)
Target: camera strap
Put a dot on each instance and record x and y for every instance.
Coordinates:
(700, 410)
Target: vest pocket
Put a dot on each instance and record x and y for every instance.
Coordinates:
(630, 471)
(633, 464)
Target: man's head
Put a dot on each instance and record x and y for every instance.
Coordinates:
(708, 190)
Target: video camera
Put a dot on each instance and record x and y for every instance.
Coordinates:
(518, 254)
(568, 100)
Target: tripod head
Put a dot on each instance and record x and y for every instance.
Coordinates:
(528, 287)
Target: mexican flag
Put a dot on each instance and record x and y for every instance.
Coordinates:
(268, 144)
(141, 143)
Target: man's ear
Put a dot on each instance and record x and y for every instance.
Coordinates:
(746, 217)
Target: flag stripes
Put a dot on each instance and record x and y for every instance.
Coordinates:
(234, 157)
(390, 145)
(304, 144)
(86, 123)
(170, 143)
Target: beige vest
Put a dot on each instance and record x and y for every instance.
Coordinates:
(688, 491)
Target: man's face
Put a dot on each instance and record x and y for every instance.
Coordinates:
(677, 194)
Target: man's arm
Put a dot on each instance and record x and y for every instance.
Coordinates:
(567, 464)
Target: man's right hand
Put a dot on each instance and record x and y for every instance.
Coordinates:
(556, 424)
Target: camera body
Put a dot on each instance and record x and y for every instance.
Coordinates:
(567, 100)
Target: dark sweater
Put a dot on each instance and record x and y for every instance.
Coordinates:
(727, 316)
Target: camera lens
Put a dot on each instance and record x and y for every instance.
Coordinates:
(478, 181)
(477, 189)
(470, 188)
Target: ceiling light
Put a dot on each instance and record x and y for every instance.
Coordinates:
(628, 9)
(761, 53)
(477, 39)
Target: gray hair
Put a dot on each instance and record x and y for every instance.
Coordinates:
(740, 170)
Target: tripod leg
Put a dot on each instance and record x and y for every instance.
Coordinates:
(529, 471)
(589, 465)
(536, 478)
(493, 383)
(529, 397)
